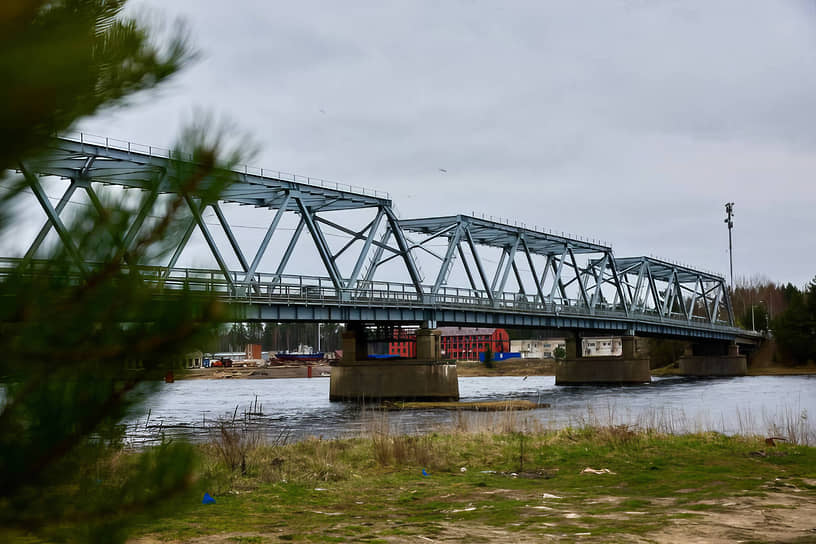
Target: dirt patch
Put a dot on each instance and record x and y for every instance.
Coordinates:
(776, 517)
(510, 367)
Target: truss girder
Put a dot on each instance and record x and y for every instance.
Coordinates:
(676, 291)
(68, 158)
(555, 273)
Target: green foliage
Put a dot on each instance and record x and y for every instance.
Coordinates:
(83, 344)
(488, 357)
(61, 60)
(560, 353)
(795, 328)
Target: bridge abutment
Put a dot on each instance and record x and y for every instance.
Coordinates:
(357, 378)
(713, 359)
(632, 367)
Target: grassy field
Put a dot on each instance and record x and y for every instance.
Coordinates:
(596, 484)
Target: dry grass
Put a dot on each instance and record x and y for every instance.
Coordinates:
(483, 406)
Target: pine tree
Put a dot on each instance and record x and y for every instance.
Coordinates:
(76, 348)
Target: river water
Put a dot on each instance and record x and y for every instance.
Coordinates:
(298, 408)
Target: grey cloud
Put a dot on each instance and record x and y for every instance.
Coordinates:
(630, 121)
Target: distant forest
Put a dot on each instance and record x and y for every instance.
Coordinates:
(786, 312)
(279, 336)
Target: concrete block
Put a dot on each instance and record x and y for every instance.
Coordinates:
(393, 380)
(602, 370)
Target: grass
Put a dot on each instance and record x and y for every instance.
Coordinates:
(481, 406)
(479, 482)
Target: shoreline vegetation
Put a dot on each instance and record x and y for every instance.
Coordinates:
(510, 367)
(498, 477)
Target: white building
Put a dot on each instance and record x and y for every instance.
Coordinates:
(536, 348)
(607, 346)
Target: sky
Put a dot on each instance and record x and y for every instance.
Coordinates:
(632, 122)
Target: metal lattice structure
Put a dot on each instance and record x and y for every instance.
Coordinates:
(540, 278)
(674, 291)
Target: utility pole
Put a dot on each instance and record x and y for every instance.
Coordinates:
(729, 213)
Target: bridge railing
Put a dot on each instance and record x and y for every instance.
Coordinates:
(317, 290)
(165, 153)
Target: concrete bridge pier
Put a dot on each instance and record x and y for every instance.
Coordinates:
(358, 378)
(713, 359)
(632, 367)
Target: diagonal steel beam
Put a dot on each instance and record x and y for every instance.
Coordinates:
(531, 264)
(256, 261)
(374, 263)
(578, 277)
(320, 244)
(499, 269)
(627, 305)
(290, 248)
(511, 257)
(54, 218)
(196, 209)
(141, 215)
(102, 213)
(518, 278)
(46, 228)
(402, 244)
(478, 262)
(658, 303)
(185, 238)
(599, 279)
(350, 232)
(557, 283)
(453, 243)
(358, 266)
(636, 296)
(230, 236)
(467, 268)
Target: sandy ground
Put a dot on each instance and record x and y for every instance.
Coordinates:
(778, 516)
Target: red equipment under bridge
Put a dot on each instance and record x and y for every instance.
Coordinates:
(453, 270)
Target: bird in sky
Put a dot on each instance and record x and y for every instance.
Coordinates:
(443, 170)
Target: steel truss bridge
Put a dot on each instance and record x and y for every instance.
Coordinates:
(541, 279)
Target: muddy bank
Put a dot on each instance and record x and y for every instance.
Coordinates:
(294, 371)
(510, 367)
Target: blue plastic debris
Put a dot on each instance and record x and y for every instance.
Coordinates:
(424, 473)
(207, 499)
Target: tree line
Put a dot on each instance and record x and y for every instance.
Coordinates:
(279, 336)
(784, 311)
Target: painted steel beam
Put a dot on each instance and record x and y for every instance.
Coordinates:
(320, 243)
(54, 218)
(256, 261)
(46, 228)
(358, 266)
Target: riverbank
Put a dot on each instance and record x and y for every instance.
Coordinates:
(590, 484)
(801, 370)
(508, 367)
(269, 372)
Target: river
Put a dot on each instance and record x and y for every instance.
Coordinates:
(298, 408)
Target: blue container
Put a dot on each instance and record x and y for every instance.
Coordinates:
(501, 355)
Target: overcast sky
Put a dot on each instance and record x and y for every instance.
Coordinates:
(630, 121)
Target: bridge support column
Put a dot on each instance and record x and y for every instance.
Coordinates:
(632, 367)
(713, 359)
(357, 378)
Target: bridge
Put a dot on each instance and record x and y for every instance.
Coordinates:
(454, 270)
